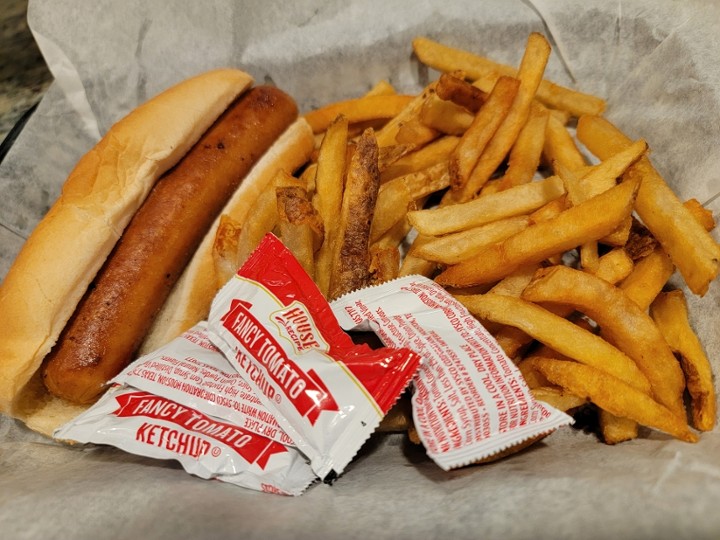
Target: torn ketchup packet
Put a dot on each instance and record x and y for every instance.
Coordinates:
(154, 426)
(279, 332)
(470, 401)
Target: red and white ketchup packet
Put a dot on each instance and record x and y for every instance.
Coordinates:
(192, 371)
(470, 400)
(278, 331)
(142, 423)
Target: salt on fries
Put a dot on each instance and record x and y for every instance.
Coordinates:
(478, 181)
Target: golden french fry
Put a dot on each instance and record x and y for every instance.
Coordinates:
(532, 67)
(351, 259)
(388, 135)
(559, 398)
(264, 216)
(456, 247)
(412, 264)
(300, 227)
(357, 110)
(225, 249)
(526, 152)
(384, 264)
(395, 196)
(328, 196)
(557, 333)
(381, 88)
(307, 177)
(394, 237)
(390, 154)
(648, 277)
(449, 59)
(486, 122)
(515, 201)
(559, 146)
(622, 322)
(691, 248)
(427, 156)
(616, 429)
(702, 214)
(670, 313)
(454, 88)
(613, 395)
(587, 221)
(444, 116)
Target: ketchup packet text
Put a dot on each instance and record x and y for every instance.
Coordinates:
(470, 401)
(278, 331)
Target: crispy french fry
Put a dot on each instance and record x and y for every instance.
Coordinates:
(648, 277)
(622, 322)
(559, 398)
(613, 395)
(515, 201)
(530, 74)
(557, 333)
(526, 152)
(381, 88)
(702, 214)
(388, 135)
(670, 313)
(559, 146)
(412, 264)
(328, 196)
(431, 154)
(351, 259)
(359, 109)
(449, 59)
(445, 116)
(384, 264)
(454, 88)
(395, 196)
(587, 221)
(264, 216)
(225, 249)
(486, 122)
(300, 227)
(616, 429)
(456, 247)
(691, 248)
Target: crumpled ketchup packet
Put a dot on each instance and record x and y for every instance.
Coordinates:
(278, 331)
(184, 402)
(470, 401)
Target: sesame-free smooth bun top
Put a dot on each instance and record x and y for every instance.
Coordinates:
(100, 196)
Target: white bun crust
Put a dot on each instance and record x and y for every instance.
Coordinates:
(102, 193)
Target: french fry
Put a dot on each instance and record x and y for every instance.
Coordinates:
(300, 227)
(448, 59)
(559, 146)
(613, 395)
(530, 74)
(444, 116)
(648, 277)
(395, 196)
(670, 313)
(225, 249)
(427, 156)
(558, 334)
(691, 248)
(702, 214)
(526, 152)
(381, 88)
(329, 186)
(384, 264)
(456, 247)
(622, 322)
(486, 122)
(559, 398)
(412, 264)
(388, 135)
(454, 88)
(515, 201)
(585, 222)
(351, 259)
(359, 109)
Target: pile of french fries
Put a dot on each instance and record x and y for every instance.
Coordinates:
(564, 255)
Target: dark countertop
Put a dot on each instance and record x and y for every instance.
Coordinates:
(24, 77)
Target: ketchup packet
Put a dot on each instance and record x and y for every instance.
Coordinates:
(148, 425)
(279, 332)
(192, 371)
(470, 400)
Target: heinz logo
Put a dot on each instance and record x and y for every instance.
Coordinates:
(296, 323)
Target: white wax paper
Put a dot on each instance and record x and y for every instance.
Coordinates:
(657, 64)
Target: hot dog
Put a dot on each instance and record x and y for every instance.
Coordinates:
(128, 222)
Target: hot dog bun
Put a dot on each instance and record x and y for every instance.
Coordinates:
(68, 247)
